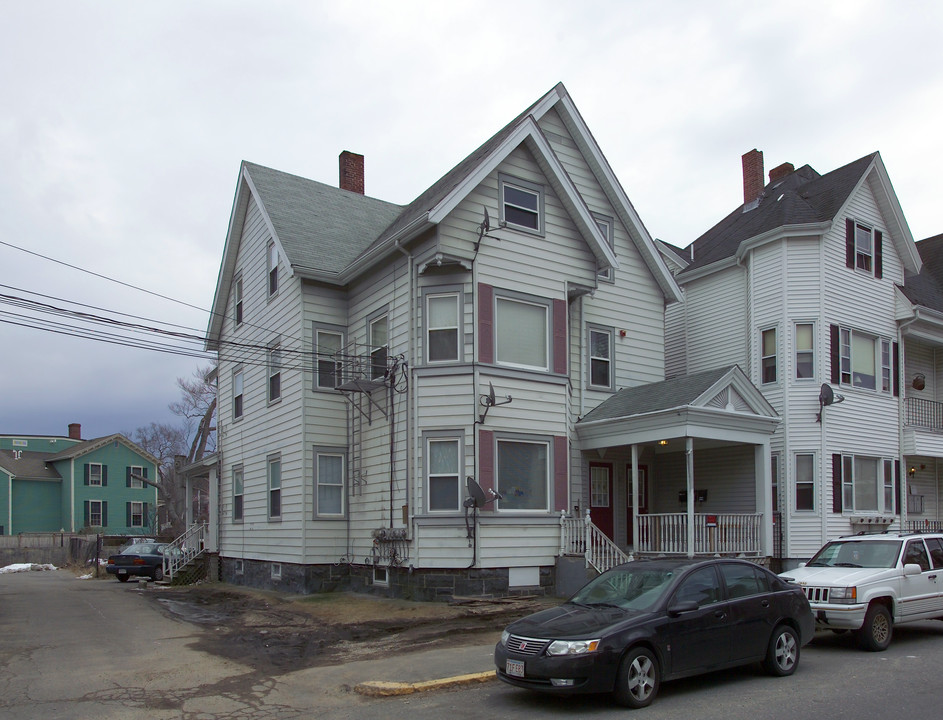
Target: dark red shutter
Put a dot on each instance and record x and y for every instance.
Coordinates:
(896, 370)
(486, 460)
(559, 336)
(897, 493)
(849, 243)
(561, 449)
(878, 254)
(834, 349)
(836, 483)
(485, 323)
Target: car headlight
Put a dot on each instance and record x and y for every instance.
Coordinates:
(572, 647)
(841, 595)
(504, 638)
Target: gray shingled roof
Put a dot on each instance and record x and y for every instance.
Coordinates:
(658, 396)
(802, 197)
(320, 227)
(926, 288)
(31, 465)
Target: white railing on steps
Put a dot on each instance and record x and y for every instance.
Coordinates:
(579, 536)
(184, 549)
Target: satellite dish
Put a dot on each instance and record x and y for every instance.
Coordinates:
(489, 400)
(826, 395)
(483, 227)
(474, 490)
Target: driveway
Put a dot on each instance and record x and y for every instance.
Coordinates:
(72, 648)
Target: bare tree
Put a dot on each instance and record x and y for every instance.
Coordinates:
(175, 447)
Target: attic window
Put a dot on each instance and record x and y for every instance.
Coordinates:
(864, 248)
(521, 204)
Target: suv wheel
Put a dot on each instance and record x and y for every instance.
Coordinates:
(875, 634)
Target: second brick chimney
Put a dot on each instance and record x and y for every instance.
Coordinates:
(351, 172)
(781, 171)
(753, 179)
(75, 431)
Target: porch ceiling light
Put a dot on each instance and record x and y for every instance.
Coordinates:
(662, 442)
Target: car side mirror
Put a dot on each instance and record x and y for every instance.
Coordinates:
(679, 608)
(912, 569)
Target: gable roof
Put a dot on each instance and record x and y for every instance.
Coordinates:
(802, 202)
(308, 220)
(28, 465)
(925, 288)
(87, 446)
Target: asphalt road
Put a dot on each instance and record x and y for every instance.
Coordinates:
(79, 649)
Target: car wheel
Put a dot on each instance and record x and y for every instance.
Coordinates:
(122, 578)
(875, 634)
(782, 653)
(158, 574)
(638, 679)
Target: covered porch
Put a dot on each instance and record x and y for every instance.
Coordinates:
(681, 467)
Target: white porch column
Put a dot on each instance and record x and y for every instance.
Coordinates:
(634, 491)
(689, 463)
(764, 496)
(188, 498)
(211, 543)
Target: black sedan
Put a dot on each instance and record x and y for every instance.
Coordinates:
(652, 620)
(141, 559)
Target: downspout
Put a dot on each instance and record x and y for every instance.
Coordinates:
(901, 414)
(411, 403)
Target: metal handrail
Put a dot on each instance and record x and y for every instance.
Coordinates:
(184, 549)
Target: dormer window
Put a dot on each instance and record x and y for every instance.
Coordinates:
(521, 204)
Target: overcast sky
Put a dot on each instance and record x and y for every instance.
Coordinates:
(122, 126)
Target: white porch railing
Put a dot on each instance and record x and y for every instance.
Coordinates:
(184, 549)
(578, 536)
(723, 533)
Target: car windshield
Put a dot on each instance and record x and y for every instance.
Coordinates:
(628, 588)
(857, 554)
(143, 549)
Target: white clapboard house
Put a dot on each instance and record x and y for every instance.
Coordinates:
(815, 287)
(467, 395)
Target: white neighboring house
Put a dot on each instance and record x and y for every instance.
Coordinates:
(506, 326)
(803, 286)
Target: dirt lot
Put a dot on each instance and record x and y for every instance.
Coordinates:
(277, 633)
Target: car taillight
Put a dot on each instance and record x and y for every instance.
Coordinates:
(139, 561)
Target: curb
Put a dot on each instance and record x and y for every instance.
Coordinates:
(390, 689)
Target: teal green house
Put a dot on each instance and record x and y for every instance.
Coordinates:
(53, 484)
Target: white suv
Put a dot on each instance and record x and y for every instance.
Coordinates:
(869, 583)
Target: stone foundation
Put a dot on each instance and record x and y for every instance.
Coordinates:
(396, 582)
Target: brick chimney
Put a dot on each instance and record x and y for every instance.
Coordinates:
(752, 175)
(781, 171)
(75, 431)
(351, 172)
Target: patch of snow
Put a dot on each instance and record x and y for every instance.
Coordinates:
(26, 567)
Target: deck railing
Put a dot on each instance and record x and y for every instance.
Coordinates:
(923, 413)
(721, 533)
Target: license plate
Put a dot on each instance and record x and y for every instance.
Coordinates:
(515, 668)
(122, 572)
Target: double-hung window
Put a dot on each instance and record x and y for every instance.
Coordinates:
(442, 466)
(237, 394)
(523, 474)
(864, 248)
(605, 227)
(135, 475)
(274, 487)
(327, 349)
(271, 260)
(274, 372)
(135, 514)
(237, 300)
(769, 357)
(329, 480)
(600, 358)
(95, 474)
(442, 321)
(867, 484)
(238, 479)
(857, 359)
(379, 347)
(96, 513)
(805, 481)
(522, 335)
(805, 351)
(521, 204)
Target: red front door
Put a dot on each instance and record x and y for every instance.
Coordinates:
(600, 496)
(643, 497)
